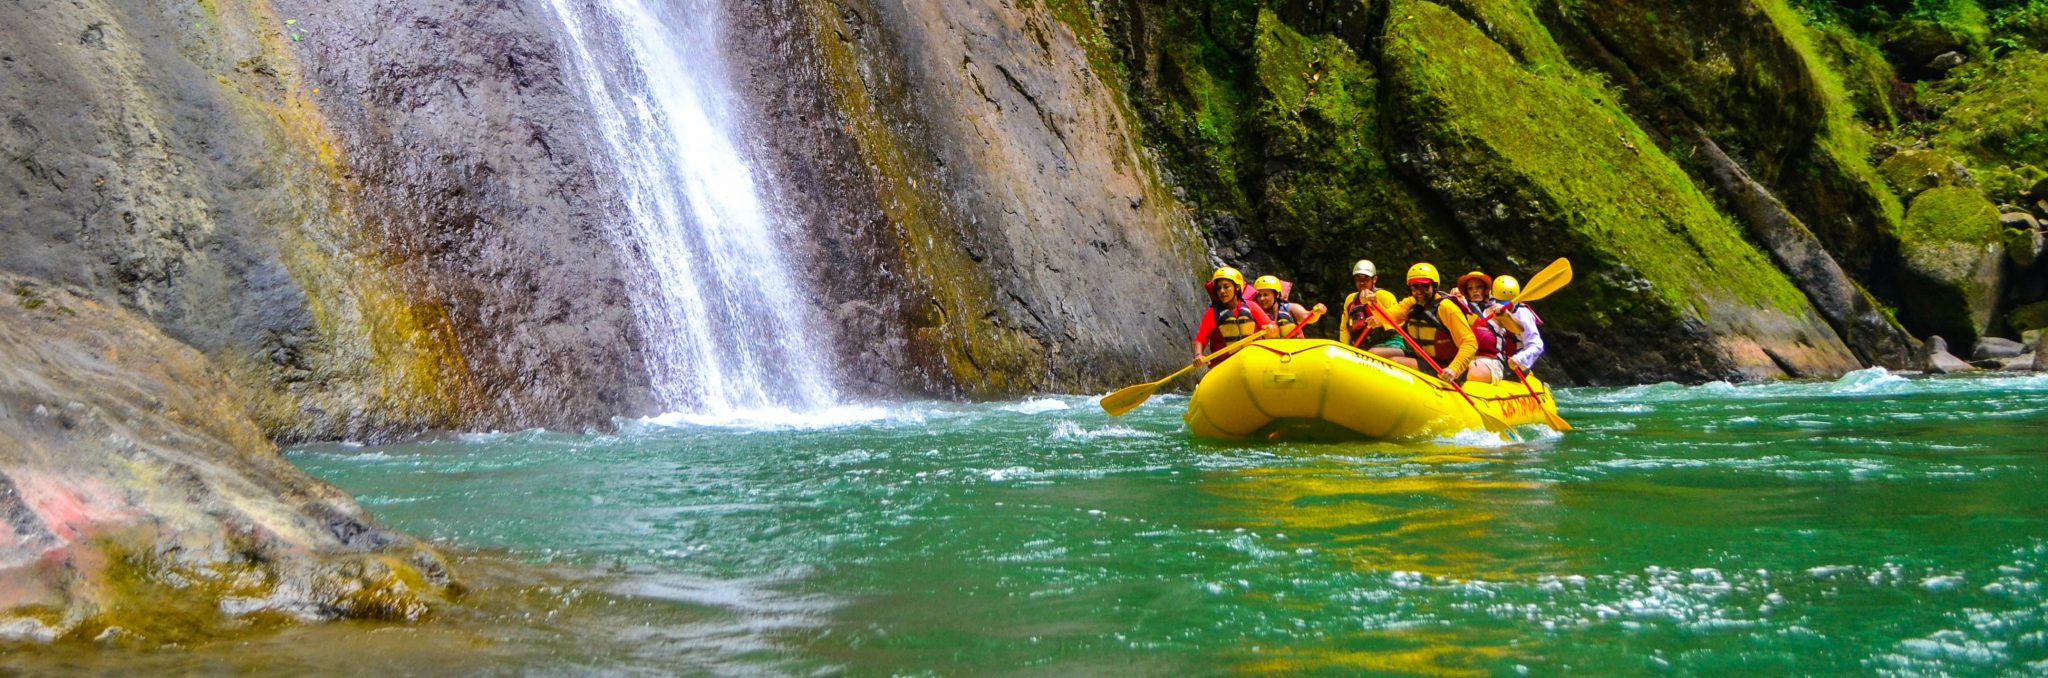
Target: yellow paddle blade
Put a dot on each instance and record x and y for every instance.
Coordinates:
(1557, 422)
(1550, 279)
(1130, 397)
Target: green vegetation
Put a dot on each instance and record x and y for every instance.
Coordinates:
(1575, 160)
(1953, 214)
(2032, 316)
(1996, 114)
(1911, 171)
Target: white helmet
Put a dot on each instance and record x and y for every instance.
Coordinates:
(1364, 267)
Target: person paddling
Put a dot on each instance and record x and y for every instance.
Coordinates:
(1486, 363)
(1521, 338)
(1362, 329)
(1291, 318)
(1440, 324)
(1229, 318)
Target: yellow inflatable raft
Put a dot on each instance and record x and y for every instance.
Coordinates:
(1295, 389)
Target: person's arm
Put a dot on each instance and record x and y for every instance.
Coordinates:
(1531, 338)
(1302, 317)
(1202, 336)
(1460, 326)
(1398, 315)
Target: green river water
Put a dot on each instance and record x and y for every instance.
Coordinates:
(1874, 524)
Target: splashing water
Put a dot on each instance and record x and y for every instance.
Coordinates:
(707, 249)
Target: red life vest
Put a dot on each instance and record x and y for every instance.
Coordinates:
(1489, 336)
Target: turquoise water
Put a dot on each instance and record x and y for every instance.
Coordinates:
(1874, 524)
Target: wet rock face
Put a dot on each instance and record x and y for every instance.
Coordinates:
(1040, 252)
(139, 502)
(475, 171)
(376, 219)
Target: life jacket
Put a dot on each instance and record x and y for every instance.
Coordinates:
(1489, 335)
(1234, 322)
(1510, 343)
(1355, 312)
(1280, 317)
(1430, 332)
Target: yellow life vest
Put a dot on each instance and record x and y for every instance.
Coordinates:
(1429, 331)
(1281, 317)
(1236, 322)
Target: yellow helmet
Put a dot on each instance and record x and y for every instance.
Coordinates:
(1424, 272)
(1365, 268)
(1267, 282)
(1228, 273)
(1506, 288)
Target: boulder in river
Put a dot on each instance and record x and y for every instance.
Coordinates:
(1935, 358)
(139, 500)
(1996, 347)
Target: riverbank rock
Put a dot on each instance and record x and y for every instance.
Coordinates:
(1996, 347)
(2021, 363)
(368, 216)
(141, 503)
(1934, 358)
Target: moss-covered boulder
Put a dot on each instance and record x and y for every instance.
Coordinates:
(1914, 170)
(1545, 164)
(1953, 255)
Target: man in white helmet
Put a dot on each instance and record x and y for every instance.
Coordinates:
(1361, 328)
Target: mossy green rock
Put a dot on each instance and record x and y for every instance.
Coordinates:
(1954, 258)
(1914, 170)
(1541, 164)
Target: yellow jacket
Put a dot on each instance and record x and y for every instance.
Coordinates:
(1454, 319)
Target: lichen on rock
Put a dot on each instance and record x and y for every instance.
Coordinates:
(142, 505)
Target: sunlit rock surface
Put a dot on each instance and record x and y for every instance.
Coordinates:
(139, 503)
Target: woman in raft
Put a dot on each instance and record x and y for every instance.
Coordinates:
(1229, 317)
(1291, 318)
(1486, 364)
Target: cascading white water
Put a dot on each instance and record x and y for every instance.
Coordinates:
(724, 313)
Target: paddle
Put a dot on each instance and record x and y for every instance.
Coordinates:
(1130, 397)
(1303, 325)
(1555, 421)
(1492, 423)
(1550, 279)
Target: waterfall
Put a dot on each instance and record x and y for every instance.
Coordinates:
(729, 328)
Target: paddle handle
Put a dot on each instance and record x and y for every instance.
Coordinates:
(1432, 362)
(1303, 325)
